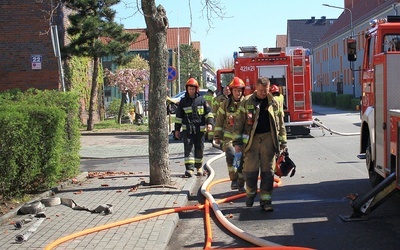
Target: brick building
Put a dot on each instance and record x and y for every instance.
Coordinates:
(27, 57)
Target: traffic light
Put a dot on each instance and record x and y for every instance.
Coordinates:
(351, 50)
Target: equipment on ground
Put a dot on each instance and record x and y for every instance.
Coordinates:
(380, 114)
(288, 69)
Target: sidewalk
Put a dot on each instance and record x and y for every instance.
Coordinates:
(128, 192)
(322, 110)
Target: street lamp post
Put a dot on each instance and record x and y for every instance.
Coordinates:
(351, 36)
(312, 56)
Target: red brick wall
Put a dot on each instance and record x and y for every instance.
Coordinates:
(25, 31)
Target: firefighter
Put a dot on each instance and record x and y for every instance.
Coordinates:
(278, 97)
(260, 135)
(209, 97)
(219, 99)
(223, 132)
(194, 117)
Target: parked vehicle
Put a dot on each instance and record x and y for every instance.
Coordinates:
(289, 69)
(380, 112)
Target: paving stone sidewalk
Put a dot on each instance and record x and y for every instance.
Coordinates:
(120, 191)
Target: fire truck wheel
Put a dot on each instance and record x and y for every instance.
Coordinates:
(374, 177)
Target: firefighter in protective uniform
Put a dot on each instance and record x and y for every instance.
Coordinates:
(209, 97)
(194, 117)
(219, 99)
(260, 134)
(278, 97)
(223, 131)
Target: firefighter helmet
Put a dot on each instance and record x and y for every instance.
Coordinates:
(236, 83)
(212, 88)
(274, 89)
(192, 82)
(284, 165)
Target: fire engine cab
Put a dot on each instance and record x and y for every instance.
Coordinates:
(289, 70)
(380, 112)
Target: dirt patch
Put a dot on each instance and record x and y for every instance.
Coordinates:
(10, 205)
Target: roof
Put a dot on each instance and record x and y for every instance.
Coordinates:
(142, 43)
(307, 30)
(362, 9)
(196, 45)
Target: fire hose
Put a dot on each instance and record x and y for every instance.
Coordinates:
(209, 199)
(227, 224)
(318, 123)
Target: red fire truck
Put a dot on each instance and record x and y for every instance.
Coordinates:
(290, 70)
(380, 112)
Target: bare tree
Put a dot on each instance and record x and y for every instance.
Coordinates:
(157, 25)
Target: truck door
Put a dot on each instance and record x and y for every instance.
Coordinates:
(277, 76)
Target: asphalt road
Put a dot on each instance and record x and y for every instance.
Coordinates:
(307, 207)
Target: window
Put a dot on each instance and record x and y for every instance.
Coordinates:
(391, 43)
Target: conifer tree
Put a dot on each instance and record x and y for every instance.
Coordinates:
(95, 34)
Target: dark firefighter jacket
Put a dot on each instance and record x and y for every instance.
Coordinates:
(193, 114)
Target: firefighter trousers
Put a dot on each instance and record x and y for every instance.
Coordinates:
(235, 174)
(260, 160)
(194, 149)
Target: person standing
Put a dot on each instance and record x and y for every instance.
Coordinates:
(278, 97)
(209, 97)
(194, 117)
(219, 99)
(139, 112)
(260, 134)
(223, 131)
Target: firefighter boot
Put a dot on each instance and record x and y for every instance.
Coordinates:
(199, 171)
(249, 200)
(234, 185)
(265, 202)
(266, 205)
(240, 182)
(189, 171)
(233, 177)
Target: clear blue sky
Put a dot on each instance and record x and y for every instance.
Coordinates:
(247, 23)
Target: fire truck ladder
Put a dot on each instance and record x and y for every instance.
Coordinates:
(298, 67)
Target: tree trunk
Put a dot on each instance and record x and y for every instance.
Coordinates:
(157, 24)
(121, 107)
(93, 94)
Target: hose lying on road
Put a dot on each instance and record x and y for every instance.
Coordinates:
(205, 190)
(226, 223)
(319, 124)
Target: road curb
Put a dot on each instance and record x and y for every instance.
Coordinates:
(182, 200)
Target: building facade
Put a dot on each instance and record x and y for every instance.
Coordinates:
(27, 56)
(332, 71)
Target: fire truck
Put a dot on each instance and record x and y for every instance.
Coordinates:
(380, 112)
(289, 69)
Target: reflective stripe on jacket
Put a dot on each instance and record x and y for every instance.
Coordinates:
(193, 112)
(247, 120)
(225, 119)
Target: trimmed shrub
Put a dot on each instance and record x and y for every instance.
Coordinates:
(39, 140)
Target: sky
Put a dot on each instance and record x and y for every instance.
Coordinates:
(246, 23)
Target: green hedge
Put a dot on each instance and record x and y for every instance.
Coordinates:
(39, 140)
(330, 99)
